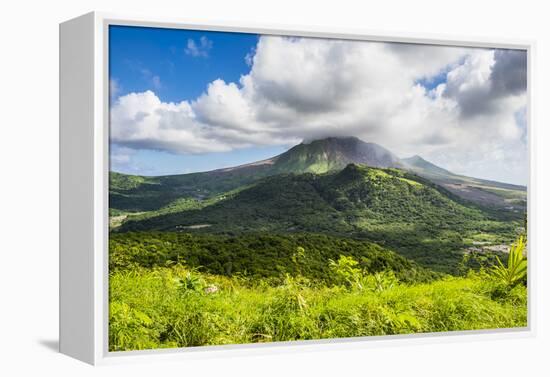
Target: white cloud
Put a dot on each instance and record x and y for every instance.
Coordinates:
(114, 87)
(142, 121)
(300, 88)
(200, 49)
(154, 80)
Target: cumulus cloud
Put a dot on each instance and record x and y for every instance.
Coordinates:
(199, 49)
(143, 121)
(486, 79)
(301, 88)
(509, 74)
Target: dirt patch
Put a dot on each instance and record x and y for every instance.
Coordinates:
(197, 226)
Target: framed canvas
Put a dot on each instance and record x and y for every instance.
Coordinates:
(230, 189)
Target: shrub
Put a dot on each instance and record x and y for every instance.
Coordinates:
(347, 272)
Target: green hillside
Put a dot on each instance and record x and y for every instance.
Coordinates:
(128, 193)
(389, 206)
(334, 202)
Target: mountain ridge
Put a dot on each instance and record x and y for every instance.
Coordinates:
(418, 163)
(318, 156)
(390, 207)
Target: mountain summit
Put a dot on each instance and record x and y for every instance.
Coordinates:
(423, 167)
(334, 153)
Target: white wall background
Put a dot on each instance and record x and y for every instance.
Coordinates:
(29, 184)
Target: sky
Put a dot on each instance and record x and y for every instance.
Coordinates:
(184, 101)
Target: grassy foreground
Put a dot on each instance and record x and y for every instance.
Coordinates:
(177, 306)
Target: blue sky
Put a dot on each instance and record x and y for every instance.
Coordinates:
(137, 55)
(432, 82)
(160, 60)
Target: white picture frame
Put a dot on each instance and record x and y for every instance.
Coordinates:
(84, 151)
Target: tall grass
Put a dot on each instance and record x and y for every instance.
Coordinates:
(180, 307)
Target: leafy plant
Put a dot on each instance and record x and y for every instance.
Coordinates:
(383, 281)
(191, 281)
(516, 269)
(130, 328)
(298, 257)
(346, 271)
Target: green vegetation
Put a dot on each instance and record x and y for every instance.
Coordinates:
(390, 207)
(180, 307)
(331, 202)
(516, 269)
(129, 193)
(157, 300)
(313, 244)
(257, 255)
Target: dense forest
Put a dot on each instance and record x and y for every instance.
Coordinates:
(258, 255)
